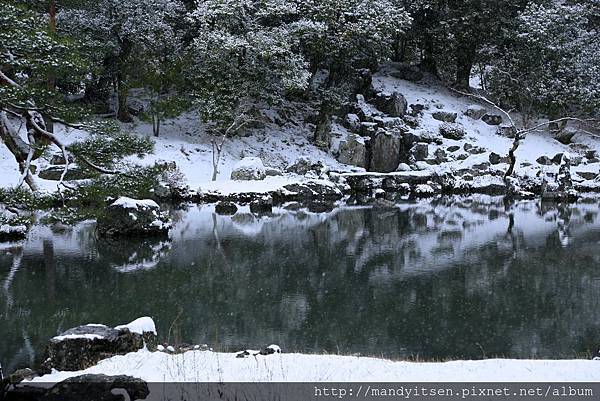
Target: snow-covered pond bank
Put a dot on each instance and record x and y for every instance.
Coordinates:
(206, 366)
(438, 279)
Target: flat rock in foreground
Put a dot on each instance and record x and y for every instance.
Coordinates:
(84, 346)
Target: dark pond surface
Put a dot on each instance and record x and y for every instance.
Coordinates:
(449, 278)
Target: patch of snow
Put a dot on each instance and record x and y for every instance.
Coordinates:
(140, 326)
(74, 336)
(129, 203)
(8, 229)
(206, 366)
(275, 348)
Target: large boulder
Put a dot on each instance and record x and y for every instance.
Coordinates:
(133, 217)
(353, 151)
(393, 104)
(385, 152)
(84, 346)
(452, 131)
(249, 169)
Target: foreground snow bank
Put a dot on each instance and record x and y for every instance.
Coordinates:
(206, 366)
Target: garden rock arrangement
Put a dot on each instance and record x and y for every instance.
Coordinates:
(127, 216)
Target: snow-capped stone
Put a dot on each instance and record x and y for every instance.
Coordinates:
(353, 151)
(445, 116)
(127, 216)
(84, 346)
(10, 232)
(140, 326)
(452, 131)
(249, 169)
(393, 104)
(273, 349)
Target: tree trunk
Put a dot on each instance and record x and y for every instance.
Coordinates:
(465, 57)
(51, 75)
(428, 63)
(322, 135)
(122, 93)
(122, 87)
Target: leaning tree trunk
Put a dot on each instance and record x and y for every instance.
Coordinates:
(17, 147)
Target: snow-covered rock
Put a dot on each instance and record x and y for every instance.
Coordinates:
(353, 151)
(10, 232)
(249, 169)
(385, 152)
(453, 131)
(84, 346)
(393, 104)
(445, 116)
(127, 216)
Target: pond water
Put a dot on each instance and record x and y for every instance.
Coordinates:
(446, 278)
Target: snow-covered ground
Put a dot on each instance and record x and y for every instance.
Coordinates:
(207, 366)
